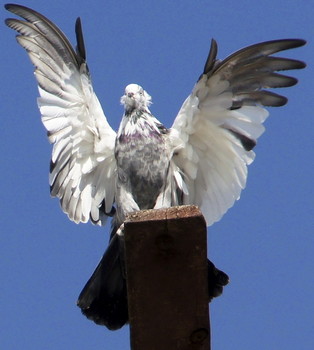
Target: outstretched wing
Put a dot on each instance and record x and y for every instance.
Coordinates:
(219, 123)
(83, 163)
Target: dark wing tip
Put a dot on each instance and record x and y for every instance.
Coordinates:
(247, 143)
(299, 65)
(8, 22)
(10, 6)
(285, 44)
(263, 97)
(211, 59)
(52, 165)
(298, 42)
(20, 10)
(13, 8)
(80, 48)
(49, 31)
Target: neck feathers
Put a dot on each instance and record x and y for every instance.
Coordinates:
(140, 122)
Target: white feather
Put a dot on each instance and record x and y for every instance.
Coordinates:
(213, 160)
(83, 142)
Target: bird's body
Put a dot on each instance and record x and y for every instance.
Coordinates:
(202, 159)
(142, 158)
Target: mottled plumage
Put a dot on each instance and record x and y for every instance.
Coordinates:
(142, 156)
(202, 159)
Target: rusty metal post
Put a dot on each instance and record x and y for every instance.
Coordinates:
(166, 268)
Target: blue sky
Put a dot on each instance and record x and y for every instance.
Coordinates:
(265, 242)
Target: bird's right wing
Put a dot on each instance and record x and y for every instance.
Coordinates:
(83, 164)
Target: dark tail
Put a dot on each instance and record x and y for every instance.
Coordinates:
(104, 297)
(217, 279)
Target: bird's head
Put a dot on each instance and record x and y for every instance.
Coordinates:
(135, 97)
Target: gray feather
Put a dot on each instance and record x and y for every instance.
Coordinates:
(251, 69)
(49, 30)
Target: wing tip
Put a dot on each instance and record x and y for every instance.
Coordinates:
(298, 42)
(10, 6)
(80, 47)
(211, 58)
(247, 143)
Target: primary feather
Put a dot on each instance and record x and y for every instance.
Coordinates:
(202, 159)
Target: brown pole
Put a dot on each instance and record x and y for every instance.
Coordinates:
(166, 268)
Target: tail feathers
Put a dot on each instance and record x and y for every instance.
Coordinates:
(104, 297)
(217, 279)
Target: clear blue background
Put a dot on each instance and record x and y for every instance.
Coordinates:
(265, 242)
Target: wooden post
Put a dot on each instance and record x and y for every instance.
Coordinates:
(166, 268)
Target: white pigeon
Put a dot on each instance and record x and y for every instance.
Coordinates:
(202, 159)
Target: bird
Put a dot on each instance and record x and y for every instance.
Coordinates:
(200, 160)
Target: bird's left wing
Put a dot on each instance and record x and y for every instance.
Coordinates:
(82, 172)
(217, 126)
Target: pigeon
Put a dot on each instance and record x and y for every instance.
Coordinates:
(99, 173)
